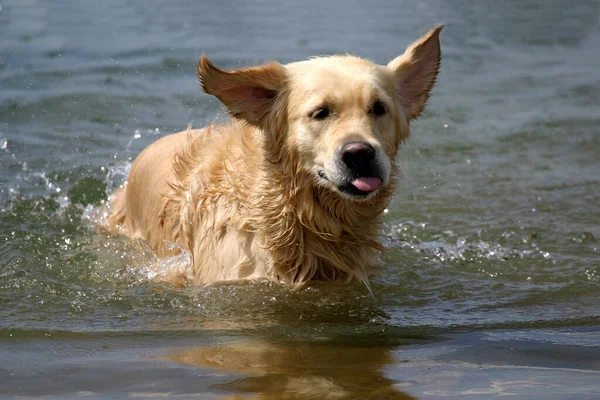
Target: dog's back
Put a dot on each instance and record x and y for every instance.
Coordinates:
(135, 207)
(185, 189)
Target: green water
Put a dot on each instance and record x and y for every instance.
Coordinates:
(492, 279)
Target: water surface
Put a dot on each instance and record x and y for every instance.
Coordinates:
(492, 278)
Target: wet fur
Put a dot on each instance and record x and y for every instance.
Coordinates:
(242, 197)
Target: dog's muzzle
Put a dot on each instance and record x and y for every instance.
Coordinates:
(359, 173)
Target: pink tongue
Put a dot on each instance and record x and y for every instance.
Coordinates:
(366, 184)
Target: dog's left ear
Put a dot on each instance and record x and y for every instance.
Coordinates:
(249, 94)
(416, 71)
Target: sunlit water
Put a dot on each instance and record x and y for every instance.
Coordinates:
(492, 279)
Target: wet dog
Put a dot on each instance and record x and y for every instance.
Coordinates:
(293, 188)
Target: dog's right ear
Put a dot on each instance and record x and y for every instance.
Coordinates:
(249, 93)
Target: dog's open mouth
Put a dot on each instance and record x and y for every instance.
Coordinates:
(366, 184)
(358, 187)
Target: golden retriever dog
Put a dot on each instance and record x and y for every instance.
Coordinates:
(293, 188)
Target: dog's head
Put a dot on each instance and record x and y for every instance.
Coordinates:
(343, 117)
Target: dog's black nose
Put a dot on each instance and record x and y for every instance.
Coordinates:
(357, 155)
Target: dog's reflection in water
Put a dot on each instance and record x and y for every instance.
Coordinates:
(297, 370)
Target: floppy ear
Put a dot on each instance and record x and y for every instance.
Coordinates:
(249, 93)
(416, 71)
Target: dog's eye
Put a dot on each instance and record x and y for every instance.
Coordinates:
(378, 108)
(320, 113)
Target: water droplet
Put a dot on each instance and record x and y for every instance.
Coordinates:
(445, 126)
(468, 161)
(3, 143)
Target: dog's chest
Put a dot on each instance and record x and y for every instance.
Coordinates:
(233, 253)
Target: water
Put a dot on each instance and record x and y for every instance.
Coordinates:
(491, 285)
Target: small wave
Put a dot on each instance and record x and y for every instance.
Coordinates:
(116, 175)
(447, 246)
(146, 264)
